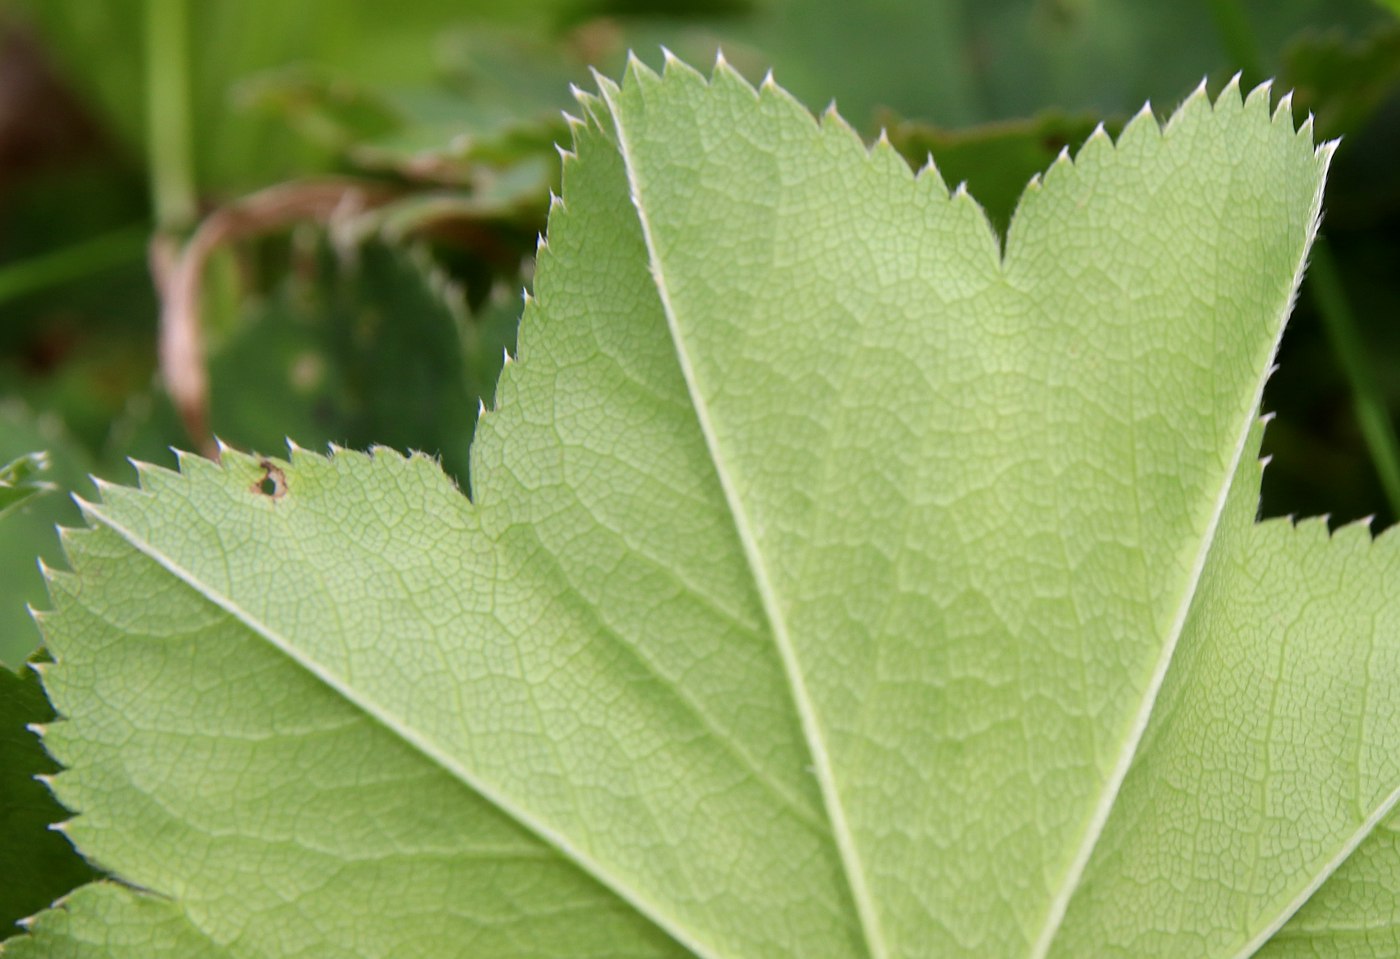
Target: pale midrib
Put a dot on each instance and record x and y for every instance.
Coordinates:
(853, 869)
(1285, 913)
(789, 801)
(1059, 904)
(424, 746)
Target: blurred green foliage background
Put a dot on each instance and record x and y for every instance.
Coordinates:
(343, 197)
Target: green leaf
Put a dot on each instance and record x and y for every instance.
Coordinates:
(498, 102)
(834, 582)
(1344, 82)
(101, 51)
(371, 343)
(28, 533)
(39, 863)
(19, 481)
(1353, 916)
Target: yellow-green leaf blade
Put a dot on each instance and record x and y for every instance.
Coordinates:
(975, 494)
(1356, 913)
(822, 566)
(1270, 756)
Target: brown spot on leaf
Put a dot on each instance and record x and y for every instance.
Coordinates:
(273, 484)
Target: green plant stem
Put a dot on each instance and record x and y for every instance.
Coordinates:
(1235, 34)
(168, 138)
(1377, 428)
(37, 273)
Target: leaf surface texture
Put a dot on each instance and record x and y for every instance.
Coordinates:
(834, 582)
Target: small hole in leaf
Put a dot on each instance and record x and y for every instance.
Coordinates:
(273, 483)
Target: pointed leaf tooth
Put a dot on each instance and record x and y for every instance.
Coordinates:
(725, 75)
(930, 173)
(1198, 99)
(1230, 94)
(183, 458)
(299, 458)
(143, 469)
(49, 573)
(105, 486)
(1139, 131)
(637, 71)
(89, 510)
(833, 124)
(1261, 98)
(1357, 532)
(593, 109)
(1328, 148)
(603, 82)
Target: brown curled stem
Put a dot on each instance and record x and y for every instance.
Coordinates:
(179, 273)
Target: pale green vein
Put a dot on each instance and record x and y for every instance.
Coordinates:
(1286, 912)
(396, 726)
(789, 800)
(772, 607)
(1133, 735)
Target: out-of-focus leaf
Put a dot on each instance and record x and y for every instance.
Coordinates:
(578, 10)
(381, 45)
(518, 192)
(398, 338)
(37, 863)
(958, 64)
(498, 101)
(1341, 81)
(27, 535)
(20, 479)
(376, 345)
